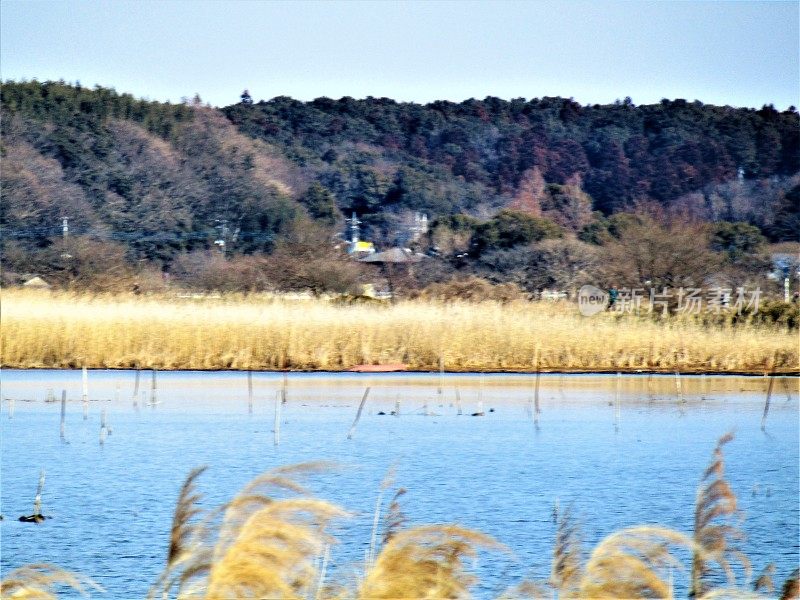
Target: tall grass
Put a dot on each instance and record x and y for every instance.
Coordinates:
(261, 544)
(268, 540)
(715, 506)
(58, 330)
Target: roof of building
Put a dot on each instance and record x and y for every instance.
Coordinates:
(362, 247)
(36, 282)
(393, 255)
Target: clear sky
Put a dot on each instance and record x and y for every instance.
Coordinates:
(721, 52)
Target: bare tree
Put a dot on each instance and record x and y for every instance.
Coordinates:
(649, 253)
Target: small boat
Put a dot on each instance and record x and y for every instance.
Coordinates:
(386, 368)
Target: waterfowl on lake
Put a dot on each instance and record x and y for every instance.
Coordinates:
(32, 518)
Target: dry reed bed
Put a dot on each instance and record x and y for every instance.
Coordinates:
(43, 329)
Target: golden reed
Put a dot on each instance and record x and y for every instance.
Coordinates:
(67, 330)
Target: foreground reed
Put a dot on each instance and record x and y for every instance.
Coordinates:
(272, 540)
(62, 330)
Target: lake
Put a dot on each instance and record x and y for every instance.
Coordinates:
(615, 463)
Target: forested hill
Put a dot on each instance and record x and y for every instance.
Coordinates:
(486, 148)
(164, 178)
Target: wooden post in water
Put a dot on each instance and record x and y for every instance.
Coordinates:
(103, 428)
(153, 390)
(536, 409)
(679, 387)
(136, 389)
(617, 402)
(277, 427)
(284, 391)
(358, 414)
(441, 378)
(37, 516)
(85, 397)
(250, 392)
(458, 402)
(63, 414)
(37, 501)
(650, 387)
(766, 403)
(10, 407)
(703, 387)
(786, 389)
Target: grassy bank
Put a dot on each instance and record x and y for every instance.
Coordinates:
(59, 330)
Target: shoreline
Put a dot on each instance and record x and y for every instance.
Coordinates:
(690, 373)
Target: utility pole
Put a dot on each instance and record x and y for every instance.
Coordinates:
(65, 235)
(222, 241)
(354, 230)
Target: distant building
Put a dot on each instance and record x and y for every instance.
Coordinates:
(785, 264)
(391, 261)
(356, 247)
(394, 256)
(36, 282)
(420, 226)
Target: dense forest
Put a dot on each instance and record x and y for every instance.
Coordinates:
(159, 183)
(378, 156)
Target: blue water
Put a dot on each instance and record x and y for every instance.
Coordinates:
(112, 504)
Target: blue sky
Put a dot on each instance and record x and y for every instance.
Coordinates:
(737, 53)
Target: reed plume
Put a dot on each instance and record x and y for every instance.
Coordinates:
(713, 539)
(566, 570)
(791, 587)
(272, 554)
(40, 581)
(636, 562)
(188, 556)
(633, 563)
(425, 562)
(185, 511)
(255, 546)
(395, 518)
(764, 581)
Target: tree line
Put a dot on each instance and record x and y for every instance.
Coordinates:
(522, 192)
